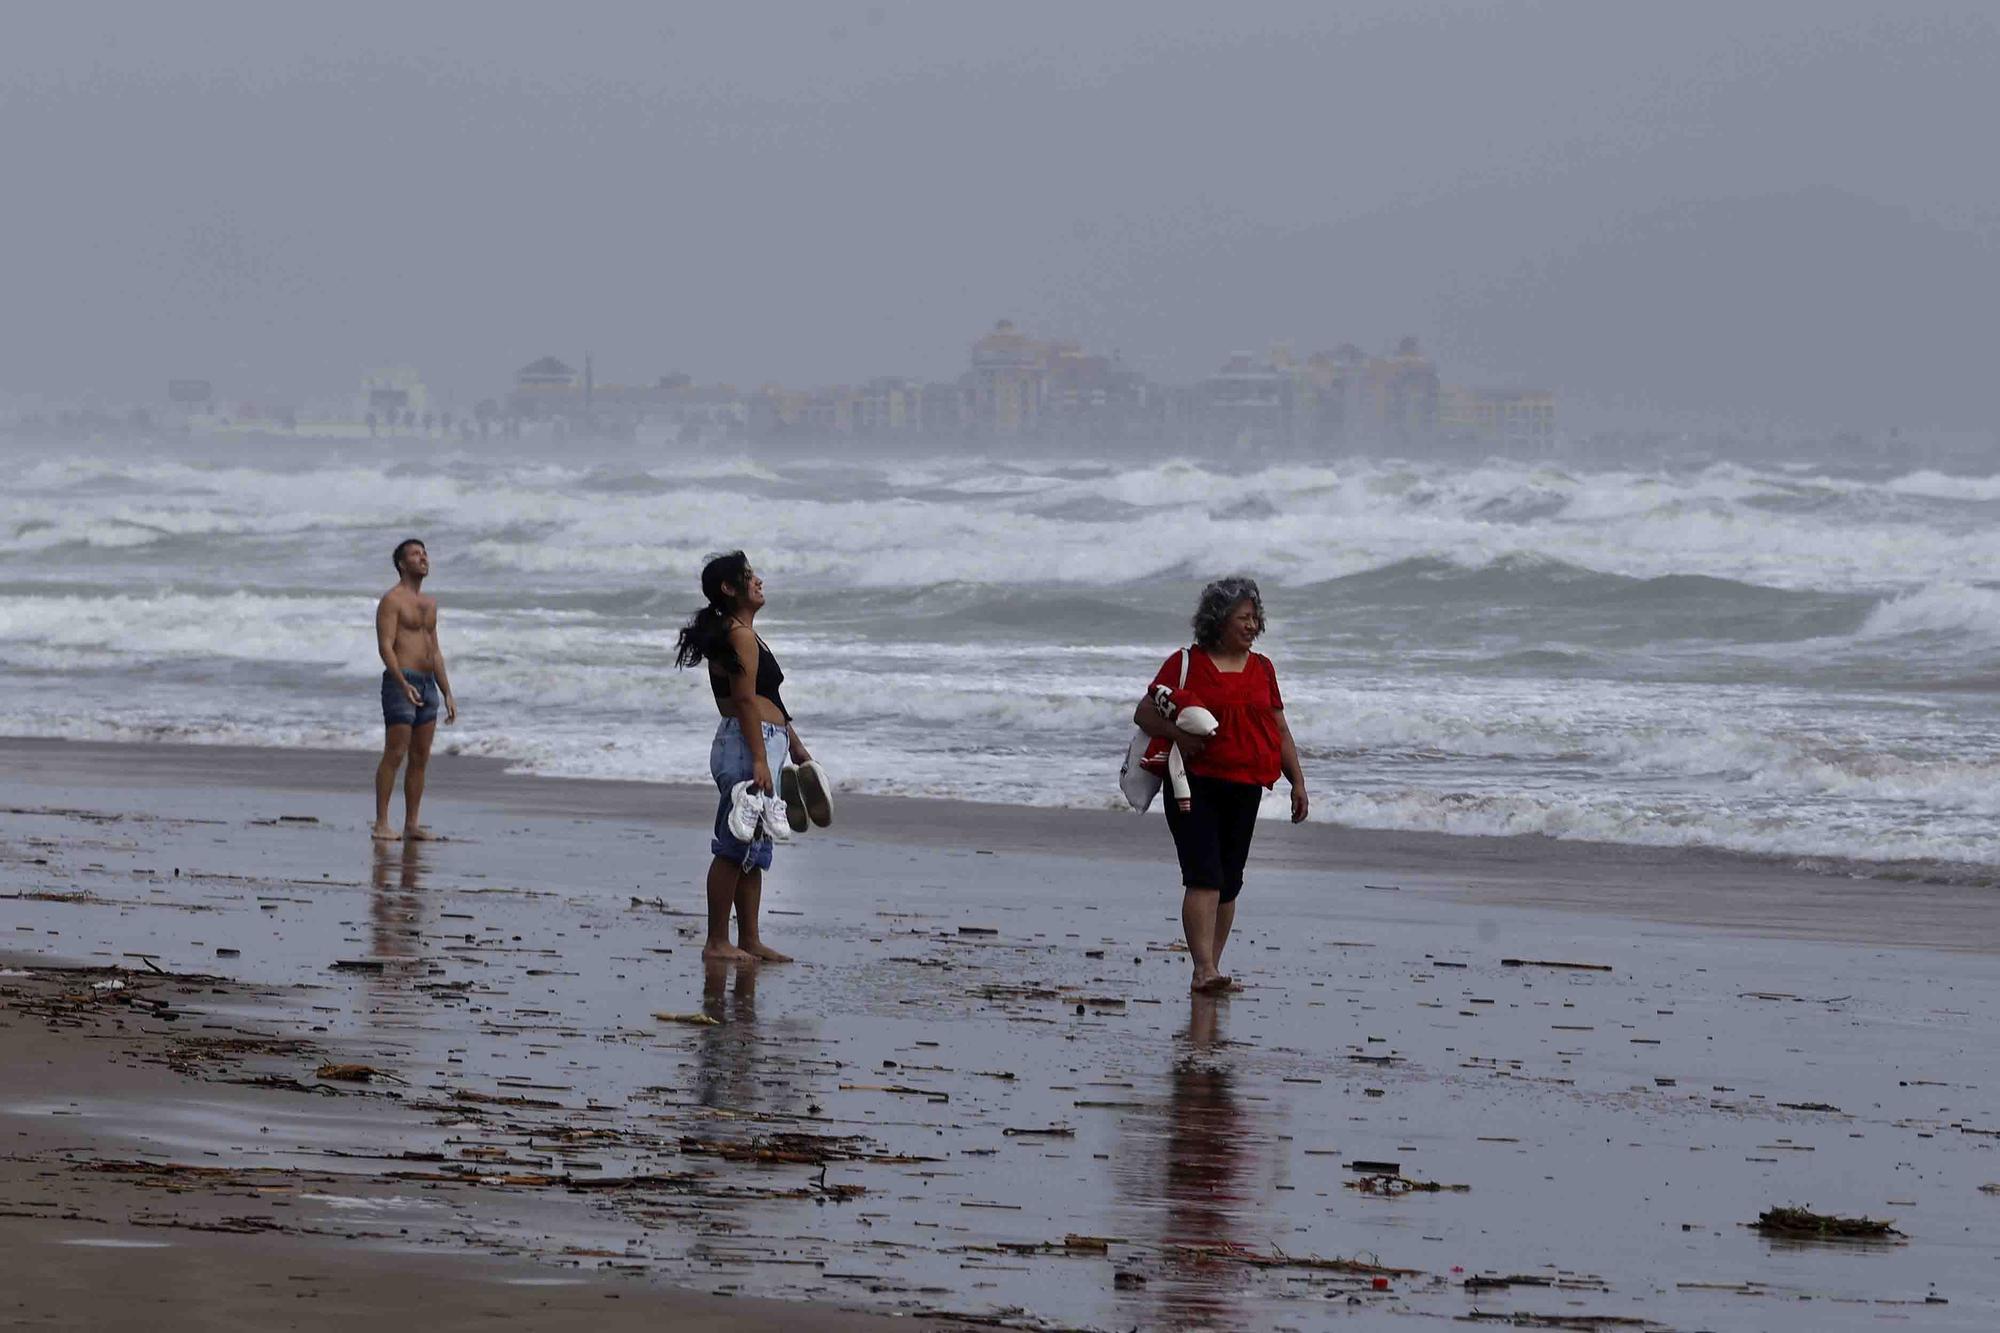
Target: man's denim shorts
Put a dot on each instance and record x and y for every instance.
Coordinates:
(396, 709)
(730, 762)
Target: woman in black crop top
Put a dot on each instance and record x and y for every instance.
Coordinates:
(750, 745)
(770, 676)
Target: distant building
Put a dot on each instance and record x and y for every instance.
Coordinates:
(393, 398)
(672, 408)
(1340, 400)
(1005, 386)
(775, 410)
(889, 407)
(1249, 402)
(1088, 398)
(830, 412)
(1518, 420)
(1017, 387)
(1332, 408)
(1021, 388)
(1401, 399)
(544, 389)
(547, 373)
(943, 410)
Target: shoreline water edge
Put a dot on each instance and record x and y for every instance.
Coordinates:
(1923, 904)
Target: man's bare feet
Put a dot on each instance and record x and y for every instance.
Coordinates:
(765, 952)
(418, 833)
(383, 833)
(725, 952)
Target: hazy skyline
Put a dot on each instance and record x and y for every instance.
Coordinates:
(1768, 213)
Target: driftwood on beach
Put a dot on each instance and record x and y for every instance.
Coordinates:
(1805, 1224)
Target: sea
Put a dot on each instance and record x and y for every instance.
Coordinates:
(1794, 660)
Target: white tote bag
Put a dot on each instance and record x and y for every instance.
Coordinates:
(1139, 783)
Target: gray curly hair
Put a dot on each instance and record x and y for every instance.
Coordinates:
(1218, 599)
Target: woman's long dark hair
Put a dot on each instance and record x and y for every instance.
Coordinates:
(706, 635)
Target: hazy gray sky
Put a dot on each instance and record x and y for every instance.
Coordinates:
(1782, 211)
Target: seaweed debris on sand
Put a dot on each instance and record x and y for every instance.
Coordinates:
(1805, 1224)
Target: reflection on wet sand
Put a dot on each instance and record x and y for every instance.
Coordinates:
(1190, 1178)
(398, 909)
(396, 912)
(726, 1059)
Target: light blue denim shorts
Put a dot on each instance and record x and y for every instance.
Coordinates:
(730, 762)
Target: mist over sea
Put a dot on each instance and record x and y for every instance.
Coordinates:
(1796, 661)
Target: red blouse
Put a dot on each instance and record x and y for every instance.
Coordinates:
(1248, 740)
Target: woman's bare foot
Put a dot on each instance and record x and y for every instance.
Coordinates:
(383, 833)
(767, 953)
(1210, 982)
(418, 833)
(724, 952)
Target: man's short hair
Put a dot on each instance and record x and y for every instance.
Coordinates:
(396, 556)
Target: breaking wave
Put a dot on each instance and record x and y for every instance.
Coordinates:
(1781, 661)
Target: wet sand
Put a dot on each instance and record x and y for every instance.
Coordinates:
(1933, 905)
(92, 1239)
(985, 1089)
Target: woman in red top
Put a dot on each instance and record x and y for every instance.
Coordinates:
(1229, 771)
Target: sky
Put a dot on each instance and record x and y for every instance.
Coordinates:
(1744, 213)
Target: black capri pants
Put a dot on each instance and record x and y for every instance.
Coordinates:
(1213, 837)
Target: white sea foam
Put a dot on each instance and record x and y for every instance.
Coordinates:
(1954, 610)
(1319, 521)
(1938, 485)
(1651, 822)
(245, 626)
(972, 627)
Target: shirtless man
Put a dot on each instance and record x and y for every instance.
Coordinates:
(406, 634)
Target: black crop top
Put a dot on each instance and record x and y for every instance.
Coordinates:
(770, 676)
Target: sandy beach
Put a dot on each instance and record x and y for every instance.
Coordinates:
(983, 1092)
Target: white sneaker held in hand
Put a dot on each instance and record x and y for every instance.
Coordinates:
(815, 794)
(746, 809)
(774, 821)
(795, 801)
